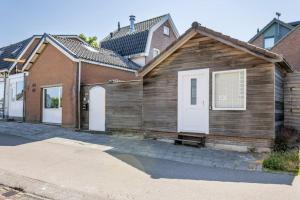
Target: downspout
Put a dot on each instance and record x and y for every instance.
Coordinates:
(24, 95)
(79, 96)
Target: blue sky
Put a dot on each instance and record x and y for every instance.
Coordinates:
(237, 18)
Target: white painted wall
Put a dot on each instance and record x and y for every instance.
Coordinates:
(15, 106)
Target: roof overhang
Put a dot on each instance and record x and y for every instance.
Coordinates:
(197, 28)
(155, 27)
(48, 39)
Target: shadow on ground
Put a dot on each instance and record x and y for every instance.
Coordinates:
(159, 168)
(13, 134)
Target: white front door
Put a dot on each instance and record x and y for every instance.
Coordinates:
(193, 101)
(97, 109)
(16, 95)
(52, 108)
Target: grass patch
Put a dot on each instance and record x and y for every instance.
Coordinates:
(288, 161)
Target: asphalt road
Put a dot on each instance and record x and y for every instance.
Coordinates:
(65, 169)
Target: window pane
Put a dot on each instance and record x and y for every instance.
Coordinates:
(19, 90)
(269, 42)
(229, 89)
(166, 30)
(52, 97)
(193, 91)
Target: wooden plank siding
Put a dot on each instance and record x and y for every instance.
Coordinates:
(292, 101)
(160, 90)
(123, 105)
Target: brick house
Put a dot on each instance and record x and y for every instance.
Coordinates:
(282, 38)
(55, 71)
(141, 42)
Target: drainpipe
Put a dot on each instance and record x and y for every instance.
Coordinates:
(78, 95)
(24, 95)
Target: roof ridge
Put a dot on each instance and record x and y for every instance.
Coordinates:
(146, 20)
(135, 24)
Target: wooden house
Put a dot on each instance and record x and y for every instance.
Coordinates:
(211, 85)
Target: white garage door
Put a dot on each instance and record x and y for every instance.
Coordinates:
(97, 109)
(52, 108)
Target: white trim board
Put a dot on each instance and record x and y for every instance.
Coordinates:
(245, 89)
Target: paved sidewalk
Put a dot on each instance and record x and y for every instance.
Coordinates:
(136, 146)
(7, 193)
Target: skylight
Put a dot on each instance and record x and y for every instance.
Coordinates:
(90, 48)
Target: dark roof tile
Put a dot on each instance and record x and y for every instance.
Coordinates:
(83, 50)
(126, 43)
(12, 51)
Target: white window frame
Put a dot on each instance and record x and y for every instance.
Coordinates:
(166, 30)
(245, 90)
(157, 50)
(60, 93)
(268, 38)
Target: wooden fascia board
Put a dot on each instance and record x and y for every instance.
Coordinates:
(167, 53)
(238, 47)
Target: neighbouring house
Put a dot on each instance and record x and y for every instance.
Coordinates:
(57, 68)
(142, 41)
(282, 38)
(12, 79)
(12, 58)
(209, 84)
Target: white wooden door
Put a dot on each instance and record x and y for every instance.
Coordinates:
(16, 95)
(97, 109)
(52, 105)
(193, 101)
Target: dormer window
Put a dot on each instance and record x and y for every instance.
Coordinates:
(166, 30)
(269, 42)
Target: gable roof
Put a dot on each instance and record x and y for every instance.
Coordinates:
(12, 51)
(286, 36)
(78, 50)
(287, 25)
(126, 43)
(197, 28)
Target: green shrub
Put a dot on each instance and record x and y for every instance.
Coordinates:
(288, 161)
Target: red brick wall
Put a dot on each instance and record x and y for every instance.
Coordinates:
(52, 68)
(91, 74)
(160, 41)
(258, 41)
(289, 47)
